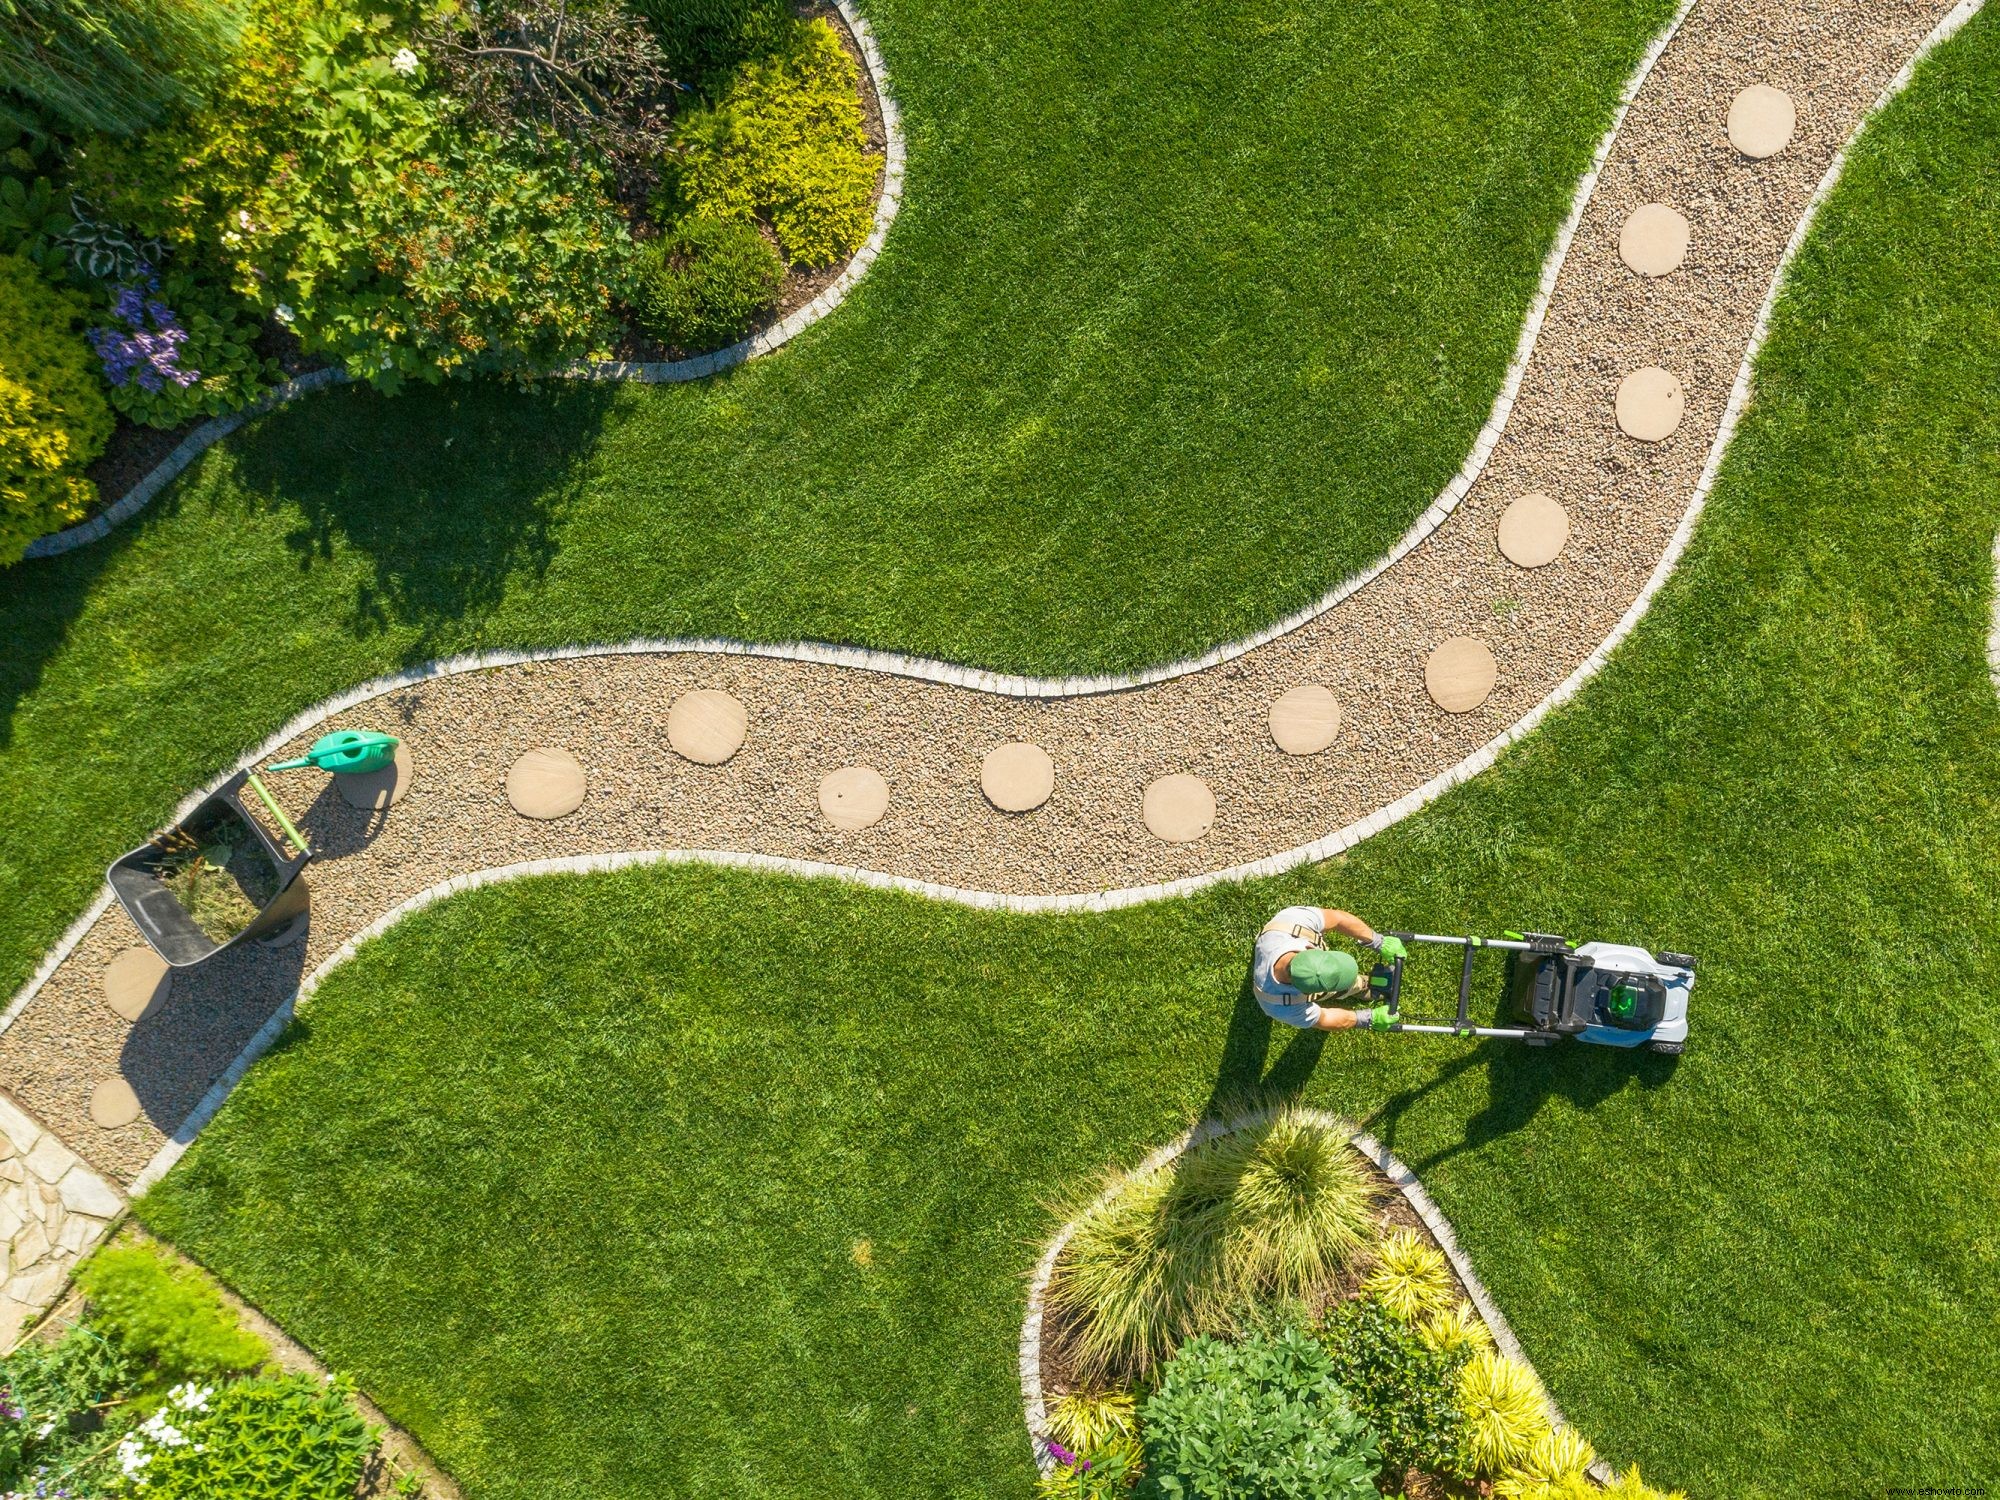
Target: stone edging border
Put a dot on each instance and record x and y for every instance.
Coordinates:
(1033, 1403)
(1340, 840)
(656, 372)
(1993, 636)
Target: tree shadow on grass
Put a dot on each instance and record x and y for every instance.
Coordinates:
(455, 495)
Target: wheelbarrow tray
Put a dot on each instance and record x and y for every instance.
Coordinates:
(169, 927)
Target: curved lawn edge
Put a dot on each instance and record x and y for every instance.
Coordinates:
(651, 372)
(1035, 1406)
(1448, 498)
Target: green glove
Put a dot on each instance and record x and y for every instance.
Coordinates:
(1381, 1019)
(1391, 947)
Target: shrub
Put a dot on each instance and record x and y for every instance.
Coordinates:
(166, 1314)
(50, 1394)
(1407, 1390)
(284, 1437)
(1108, 1475)
(1411, 1278)
(1260, 1420)
(1555, 1461)
(783, 143)
(1456, 1330)
(1504, 1410)
(1181, 1249)
(703, 38)
(53, 417)
(704, 282)
(1087, 1421)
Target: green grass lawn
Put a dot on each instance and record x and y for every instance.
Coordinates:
(1174, 290)
(572, 1173)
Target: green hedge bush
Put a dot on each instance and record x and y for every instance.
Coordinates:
(1263, 1419)
(783, 143)
(53, 416)
(701, 284)
(165, 1315)
(1407, 1390)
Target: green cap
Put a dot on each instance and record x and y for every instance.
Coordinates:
(1322, 971)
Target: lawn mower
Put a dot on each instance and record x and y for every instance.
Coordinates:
(1608, 994)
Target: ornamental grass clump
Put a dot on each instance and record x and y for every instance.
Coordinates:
(1410, 1278)
(1630, 1486)
(1504, 1411)
(1556, 1460)
(1456, 1330)
(1085, 1422)
(1259, 1214)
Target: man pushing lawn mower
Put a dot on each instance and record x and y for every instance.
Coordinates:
(1608, 994)
(1294, 964)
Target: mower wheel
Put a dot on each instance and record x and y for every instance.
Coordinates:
(1669, 1049)
(1677, 960)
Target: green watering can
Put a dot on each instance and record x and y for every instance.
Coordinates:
(345, 752)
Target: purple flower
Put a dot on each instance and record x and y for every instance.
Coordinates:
(147, 348)
(1062, 1454)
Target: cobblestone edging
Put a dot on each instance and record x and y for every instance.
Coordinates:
(1035, 1406)
(656, 372)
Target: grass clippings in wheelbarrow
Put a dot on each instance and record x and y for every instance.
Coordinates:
(219, 874)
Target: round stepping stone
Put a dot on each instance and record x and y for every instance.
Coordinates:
(853, 798)
(1017, 777)
(707, 726)
(1650, 404)
(379, 789)
(113, 1105)
(545, 784)
(136, 981)
(1533, 530)
(1761, 121)
(1654, 240)
(1305, 720)
(1179, 808)
(1460, 673)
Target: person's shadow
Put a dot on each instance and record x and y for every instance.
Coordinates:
(1242, 1081)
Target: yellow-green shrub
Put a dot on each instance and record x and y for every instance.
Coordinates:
(1629, 1486)
(54, 418)
(1554, 1463)
(1410, 1278)
(1503, 1408)
(783, 142)
(1458, 1328)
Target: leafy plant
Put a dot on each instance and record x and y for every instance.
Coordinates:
(111, 65)
(287, 1437)
(1251, 1216)
(55, 1402)
(106, 251)
(705, 38)
(165, 367)
(1411, 1278)
(704, 282)
(1107, 1475)
(53, 417)
(39, 492)
(1406, 1389)
(1086, 1421)
(1556, 1460)
(1504, 1410)
(1264, 1419)
(1630, 1486)
(783, 143)
(165, 1315)
(1456, 1330)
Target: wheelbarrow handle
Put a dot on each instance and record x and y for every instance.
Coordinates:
(271, 805)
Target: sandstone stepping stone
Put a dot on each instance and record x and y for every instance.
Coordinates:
(1650, 404)
(1179, 808)
(1533, 530)
(1305, 720)
(1017, 777)
(1654, 240)
(379, 789)
(707, 726)
(1460, 673)
(1761, 121)
(853, 798)
(113, 1105)
(136, 981)
(546, 784)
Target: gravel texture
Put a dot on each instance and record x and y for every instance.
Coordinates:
(1624, 498)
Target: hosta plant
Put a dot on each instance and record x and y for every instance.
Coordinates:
(1410, 1278)
(1504, 1410)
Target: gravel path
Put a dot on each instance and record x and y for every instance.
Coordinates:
(1625, 501)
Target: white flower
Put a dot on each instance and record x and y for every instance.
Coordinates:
(404, 62)
(45, 1429)
(132, 1456)
(283, 312)
(243, 217)
(189, 1396)
(231, 237)
(163, 1432)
